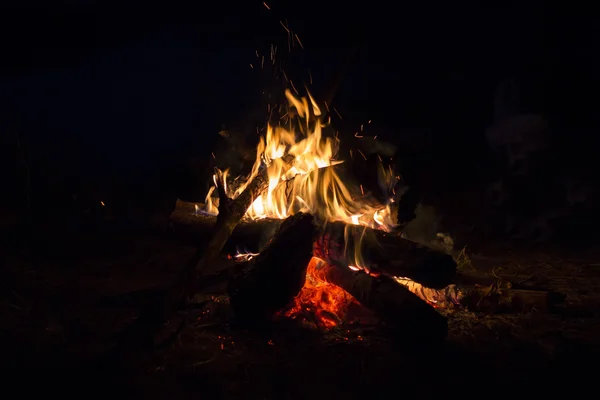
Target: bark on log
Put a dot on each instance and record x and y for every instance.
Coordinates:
(272, 279)
(399, 308)
(381, 252)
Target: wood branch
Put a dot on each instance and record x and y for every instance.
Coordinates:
(500, 297)
(399, 308)
(272, 279)
(139, 337)
(381, 252)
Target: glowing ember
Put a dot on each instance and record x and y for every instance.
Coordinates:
(318, 299)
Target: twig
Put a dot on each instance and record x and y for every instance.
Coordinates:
(197, 364)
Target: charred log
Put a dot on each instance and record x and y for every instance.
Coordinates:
(272, 280)
(403, 311)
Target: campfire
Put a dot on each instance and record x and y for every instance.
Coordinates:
(330, 245)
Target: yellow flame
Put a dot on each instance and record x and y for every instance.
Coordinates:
(298, 161)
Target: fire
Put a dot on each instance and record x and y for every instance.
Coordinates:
(327, 303)
(300, 162)
(299, 159)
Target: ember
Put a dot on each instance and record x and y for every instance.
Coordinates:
(326, 302)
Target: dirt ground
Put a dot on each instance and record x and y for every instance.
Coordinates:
(66, 295)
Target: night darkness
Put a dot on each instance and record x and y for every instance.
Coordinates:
(111, 111)
(121, 93)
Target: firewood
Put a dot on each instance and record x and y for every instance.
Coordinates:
(381, 252)
(386, 253)
(271, 280)
(399, 308)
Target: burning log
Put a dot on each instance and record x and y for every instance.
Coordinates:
(338, 243)
(398, 307)
(272, 279)
(388, 253)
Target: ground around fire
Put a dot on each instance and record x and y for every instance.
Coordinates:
(64, 298)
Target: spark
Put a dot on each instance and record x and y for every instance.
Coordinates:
(266, 6)
(294, 87)
(299, 42)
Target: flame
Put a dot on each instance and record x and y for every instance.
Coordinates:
(299, 160)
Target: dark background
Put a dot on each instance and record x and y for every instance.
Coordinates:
(106, 98)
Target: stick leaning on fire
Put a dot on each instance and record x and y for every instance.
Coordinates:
(139, 337)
